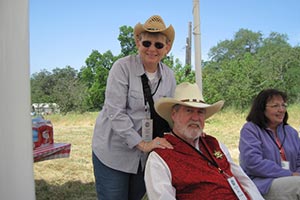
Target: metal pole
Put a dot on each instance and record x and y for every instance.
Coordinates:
(188, 57)
(197, 43)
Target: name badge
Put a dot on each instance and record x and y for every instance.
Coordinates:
(285, 164)
(236, 188)
(147, 129)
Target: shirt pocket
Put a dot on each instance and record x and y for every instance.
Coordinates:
(163, 92)
(136, 100)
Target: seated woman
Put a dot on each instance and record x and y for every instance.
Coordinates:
(270, 148)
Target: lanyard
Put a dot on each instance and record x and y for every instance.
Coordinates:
(147, 90)
(210, 160)
(277, 142)
(156, 87)
(160, 125)
(231, 179)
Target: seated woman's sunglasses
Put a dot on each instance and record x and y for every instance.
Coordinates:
(157, 45)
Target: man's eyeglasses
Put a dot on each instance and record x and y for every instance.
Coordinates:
(277, 106)
(157, 45)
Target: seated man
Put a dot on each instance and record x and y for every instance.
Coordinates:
(198, 166)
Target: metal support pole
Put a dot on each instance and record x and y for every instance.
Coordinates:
(197, 43)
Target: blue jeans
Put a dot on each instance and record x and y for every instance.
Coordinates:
(116, 185)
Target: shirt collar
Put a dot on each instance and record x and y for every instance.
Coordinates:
(140, 69)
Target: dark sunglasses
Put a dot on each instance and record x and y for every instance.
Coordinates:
(157, 45)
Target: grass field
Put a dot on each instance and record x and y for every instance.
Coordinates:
(72, 178)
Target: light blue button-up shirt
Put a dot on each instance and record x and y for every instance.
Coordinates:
(118, 126)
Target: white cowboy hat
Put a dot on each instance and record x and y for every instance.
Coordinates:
(186, 94)
(155, 24)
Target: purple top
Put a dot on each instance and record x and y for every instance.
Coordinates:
(260, 157)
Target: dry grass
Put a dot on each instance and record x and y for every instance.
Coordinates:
(68, 178)
(72, 178)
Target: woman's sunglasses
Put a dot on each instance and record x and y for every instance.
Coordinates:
(157, 45)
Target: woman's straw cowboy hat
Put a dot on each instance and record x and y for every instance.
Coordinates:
(155, 24)
(186, 94)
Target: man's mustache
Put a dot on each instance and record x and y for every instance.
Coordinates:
(194, 123)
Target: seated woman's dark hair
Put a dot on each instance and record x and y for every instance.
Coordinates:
(257, 112)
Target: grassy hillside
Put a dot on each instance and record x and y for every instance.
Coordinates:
(72, 178)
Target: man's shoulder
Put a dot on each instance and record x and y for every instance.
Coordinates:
(209, 138)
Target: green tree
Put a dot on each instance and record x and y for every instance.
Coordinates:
(127, 42)
(42, 87)
(68, 91)
(276, 57)
(242, 67)
(182, 73)
(244, 41)
(232, 71)
(237, 70)
(94, 76)
(61, 87)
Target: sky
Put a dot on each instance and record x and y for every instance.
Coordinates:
(65, 32)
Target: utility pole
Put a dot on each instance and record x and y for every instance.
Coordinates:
(188, 51)
(197, 43)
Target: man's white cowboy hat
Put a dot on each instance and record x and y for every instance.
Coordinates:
(154, 24)
(186, 94)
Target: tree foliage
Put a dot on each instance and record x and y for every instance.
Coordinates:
(127, 42)
(236, 71)
(242, 67)
(94, 77)
(62, 86)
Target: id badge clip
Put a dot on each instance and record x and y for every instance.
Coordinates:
(236, 188)
(285, 164)
(147, 129)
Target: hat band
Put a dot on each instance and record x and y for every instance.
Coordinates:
(192, 100)
(153, 29)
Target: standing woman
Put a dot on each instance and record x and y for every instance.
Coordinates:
(120, 147)
(270, 148)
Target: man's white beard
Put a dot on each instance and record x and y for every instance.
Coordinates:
(189, 131)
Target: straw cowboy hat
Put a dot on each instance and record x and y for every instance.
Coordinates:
(186, 94)
(154, 24)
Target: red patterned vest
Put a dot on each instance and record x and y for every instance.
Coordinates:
(192, 175)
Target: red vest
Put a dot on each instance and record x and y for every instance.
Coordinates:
(192, 175)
